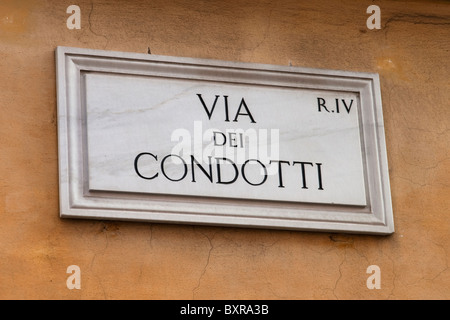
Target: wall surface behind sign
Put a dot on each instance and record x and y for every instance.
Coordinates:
(125, 260)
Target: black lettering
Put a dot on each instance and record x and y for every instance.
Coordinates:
(321, 103)
(232, 137)
(319, 175)
(226, 109)
(215, 140)
(345, 105)
(280, 175)
(194, 161)
(243, 104)
(303, 171)
(164, 172)
(245, 178)
(208, 112)
(136, 165)
(236, 172)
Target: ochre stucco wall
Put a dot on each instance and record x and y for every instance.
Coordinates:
(411, 52)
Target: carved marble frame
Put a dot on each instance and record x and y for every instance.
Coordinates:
(77, 201)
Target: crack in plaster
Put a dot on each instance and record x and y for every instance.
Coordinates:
(211, 247)
(416, 19)
(92, 31)
(103, 230)
(394, 277)
(340, 275)
(266, 34)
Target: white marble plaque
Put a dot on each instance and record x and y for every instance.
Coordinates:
(144, 137)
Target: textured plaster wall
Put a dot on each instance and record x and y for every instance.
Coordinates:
(155, 261)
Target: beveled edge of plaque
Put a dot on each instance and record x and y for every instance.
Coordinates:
(77, 202)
